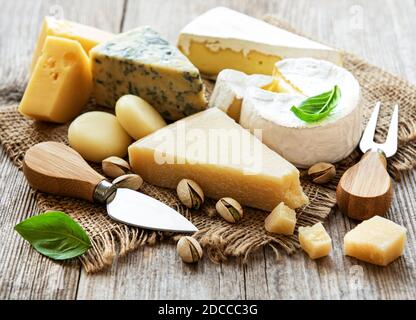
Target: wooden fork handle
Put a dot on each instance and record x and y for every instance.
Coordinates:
(366, 189)
(55, 168)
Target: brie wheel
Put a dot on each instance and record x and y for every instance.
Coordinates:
(304, 144)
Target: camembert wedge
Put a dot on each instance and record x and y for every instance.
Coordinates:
(226, 39)
(223, 158)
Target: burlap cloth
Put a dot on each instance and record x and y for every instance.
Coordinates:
(220, 239)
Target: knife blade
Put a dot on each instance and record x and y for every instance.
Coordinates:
(55, 168)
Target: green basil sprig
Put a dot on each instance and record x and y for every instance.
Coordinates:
(55, 235)
(318, 107)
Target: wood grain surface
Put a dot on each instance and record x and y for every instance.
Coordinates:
(381, 31)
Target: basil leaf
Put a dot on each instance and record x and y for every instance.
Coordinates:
(55, 235)
(318, 107)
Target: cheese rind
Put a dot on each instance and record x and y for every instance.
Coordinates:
(377, 240)
(304, 144)
(230, 89)
(226, 39)
(60, 84)
(87, 36)
(223, 158)
(140, 62)
(281, 220)
(315, 241)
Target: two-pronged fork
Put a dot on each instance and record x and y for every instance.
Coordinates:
(366, 189)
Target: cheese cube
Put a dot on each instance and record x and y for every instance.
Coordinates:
(223, 158)
(315, 241)
(281, 220)
(230, 88)
(61, 82)
(142, 63)
(377, 240)
(87, 36)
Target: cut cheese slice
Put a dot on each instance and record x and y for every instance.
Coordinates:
(140, 62)
(230, 88)
(223, 158)
(87, 36)
(225, 39)
(304, 144)
(61, 82)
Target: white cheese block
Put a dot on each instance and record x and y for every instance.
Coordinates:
(230, 88)
(232, 40)
(304, 144)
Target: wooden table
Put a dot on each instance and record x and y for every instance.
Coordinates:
(383, 32)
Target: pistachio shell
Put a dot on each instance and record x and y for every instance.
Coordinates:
(322, 172)
(129, 181)
(189, 249)
(229, 209)
(190, 193)
(115, 167)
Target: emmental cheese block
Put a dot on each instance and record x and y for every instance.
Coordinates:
(87, 36)
(140, 62)
(61, 82)
(225, 39)
(223, 158)
(230, 89)
(305, 143)
(377, 240)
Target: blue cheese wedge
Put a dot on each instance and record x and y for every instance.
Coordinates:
(142, 63)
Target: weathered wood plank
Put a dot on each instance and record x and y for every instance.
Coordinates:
(24, 274)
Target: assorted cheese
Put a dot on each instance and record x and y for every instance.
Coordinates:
(60, 84)
(377, 240)
(223, 158)
(142, 63)
(87, 36)
(137, 116)
(98, 135)
(226, 39)
(304, 144)
(281, 220)
(315, 241)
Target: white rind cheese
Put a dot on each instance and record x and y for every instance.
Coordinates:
(304, 144)
(225, 29)
(230, 88)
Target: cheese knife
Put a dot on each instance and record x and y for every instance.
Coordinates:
(55, 168)
(366, 189)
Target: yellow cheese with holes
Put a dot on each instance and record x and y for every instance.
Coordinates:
(87, 36)
(223, 158)
(281, 220)
(61, 82)
(315, 241)
(223, 38)
(377, 240)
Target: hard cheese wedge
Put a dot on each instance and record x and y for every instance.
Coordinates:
(377, 240)
(223, 158)
(61, 82)
(315, 241)
(142, 63)
(87, 36)
(225, 39)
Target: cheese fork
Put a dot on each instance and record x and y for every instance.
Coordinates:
(366, 189)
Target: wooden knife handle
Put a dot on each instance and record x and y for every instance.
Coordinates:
(55, 168)
(366, 189)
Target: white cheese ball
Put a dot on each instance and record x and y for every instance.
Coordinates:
(98, 135)
(138, 117)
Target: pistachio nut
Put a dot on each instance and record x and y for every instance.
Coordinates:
(189, 249)
(129, 181)
(229, 209)
(115, 167)
(190, 194)
(322, 172)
